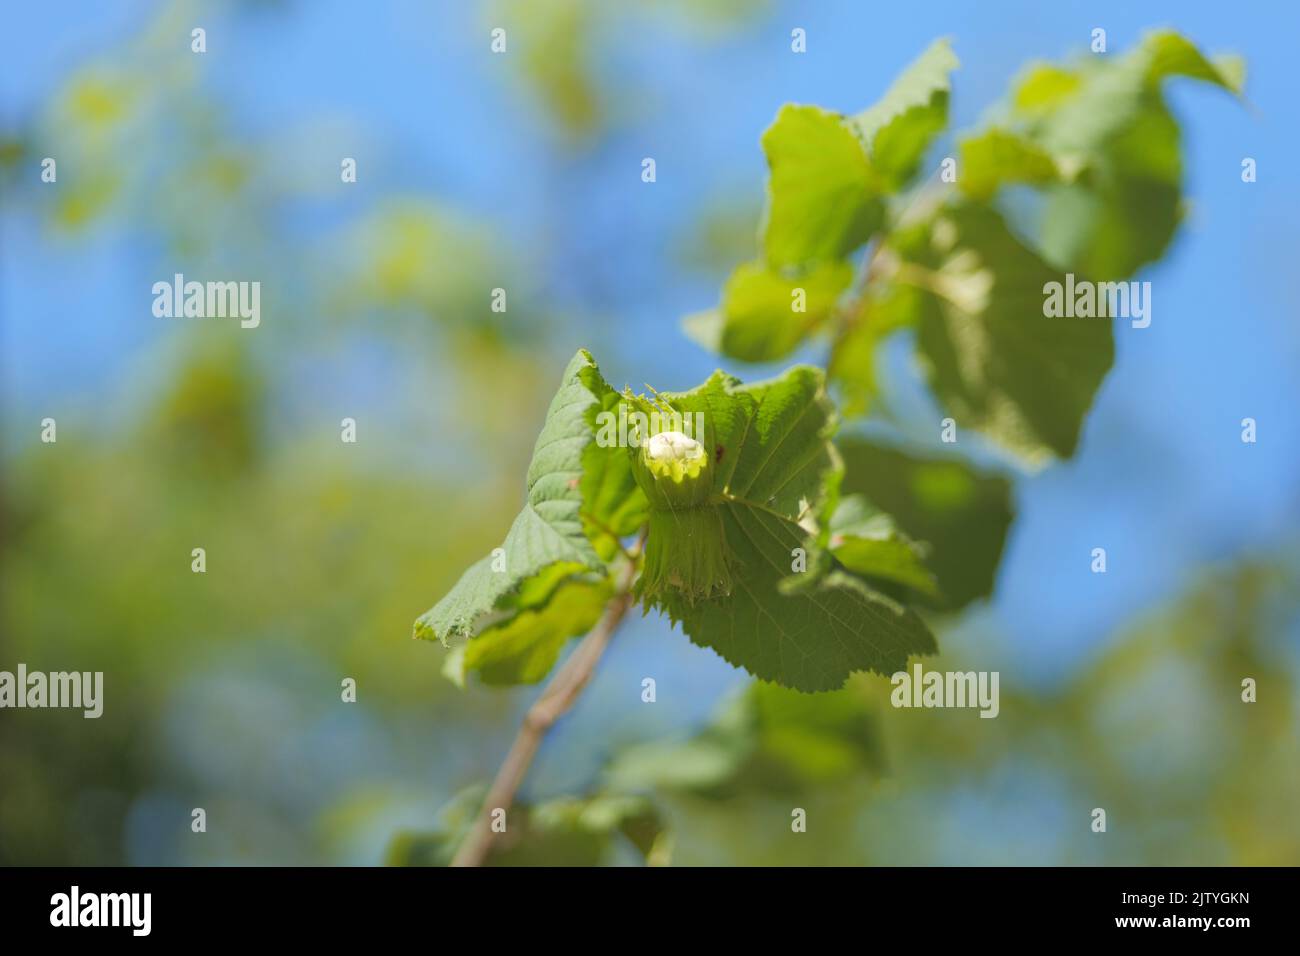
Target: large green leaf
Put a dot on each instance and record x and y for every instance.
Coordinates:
(994, 360)
(773, 458)
(547, 539)
(823, 194)
(961, 513)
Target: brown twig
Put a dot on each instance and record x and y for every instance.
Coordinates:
(555, 701)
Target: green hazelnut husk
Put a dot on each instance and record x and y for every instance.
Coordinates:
(685, 552)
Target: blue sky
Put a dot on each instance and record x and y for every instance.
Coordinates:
(1162, 479)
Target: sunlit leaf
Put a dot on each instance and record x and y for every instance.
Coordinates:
(547, 532)
(898, 129)
(823, 194)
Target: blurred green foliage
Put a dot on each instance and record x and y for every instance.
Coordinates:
(222, 689)
(564, 46)
(1155, 732)
(1095, 143)
(207, 443)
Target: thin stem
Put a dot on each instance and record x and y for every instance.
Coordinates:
(556, 700)
(877, 262)
(850, 314)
